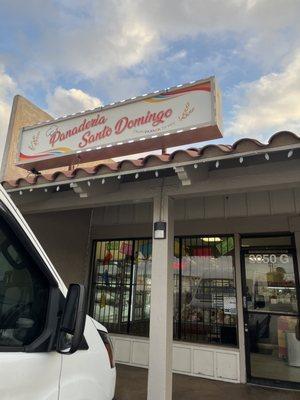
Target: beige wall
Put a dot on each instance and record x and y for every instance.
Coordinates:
(23, 113)
(64, 235)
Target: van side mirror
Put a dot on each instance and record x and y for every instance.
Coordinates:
(70, 334)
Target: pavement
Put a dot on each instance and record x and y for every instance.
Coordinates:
(132, 385)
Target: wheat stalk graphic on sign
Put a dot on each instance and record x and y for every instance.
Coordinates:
(34, 141)
(186, 112)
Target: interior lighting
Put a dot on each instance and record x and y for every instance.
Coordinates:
(211, 239)
(290, 153)
(217, 164)
(267, 157)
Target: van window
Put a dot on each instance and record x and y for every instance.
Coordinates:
(23, 293)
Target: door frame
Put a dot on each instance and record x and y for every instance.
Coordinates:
(292, 249)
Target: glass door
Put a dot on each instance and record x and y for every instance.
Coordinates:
(271, 312)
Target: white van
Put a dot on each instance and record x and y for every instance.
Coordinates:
(49, 348)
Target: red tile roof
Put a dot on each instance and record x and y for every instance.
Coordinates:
(278, 140)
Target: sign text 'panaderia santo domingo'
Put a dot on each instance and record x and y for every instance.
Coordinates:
(181, 115)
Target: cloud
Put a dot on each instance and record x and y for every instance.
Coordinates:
(7, 89)
(69, 101)
(91, 38)
(269, 104)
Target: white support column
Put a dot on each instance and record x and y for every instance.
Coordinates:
(240, 311)
(161, 317)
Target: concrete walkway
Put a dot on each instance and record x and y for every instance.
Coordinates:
(132, 385)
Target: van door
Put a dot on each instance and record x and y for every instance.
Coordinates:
(28, 369)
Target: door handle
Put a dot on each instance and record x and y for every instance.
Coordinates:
(297, 329)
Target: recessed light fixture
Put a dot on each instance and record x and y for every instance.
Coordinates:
(211, 239)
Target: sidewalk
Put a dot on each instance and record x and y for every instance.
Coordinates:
(132, 385)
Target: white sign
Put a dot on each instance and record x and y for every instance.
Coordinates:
(122, 128)
(230, 305)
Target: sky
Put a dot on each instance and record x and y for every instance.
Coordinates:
(70, 55)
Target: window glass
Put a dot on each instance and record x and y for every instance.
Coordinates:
(141, 288)
(112, 283)
(274, 348)
(204, 288)
(208, 295)
(270, 281)
(23, 293)
(266, 241)
(177, 287)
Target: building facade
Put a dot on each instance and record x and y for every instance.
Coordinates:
(217, 298)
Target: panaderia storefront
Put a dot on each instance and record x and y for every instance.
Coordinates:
(190, 257)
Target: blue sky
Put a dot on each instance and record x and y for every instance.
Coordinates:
(70, 55)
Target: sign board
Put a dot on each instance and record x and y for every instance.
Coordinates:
(180, 115)
(230, 305)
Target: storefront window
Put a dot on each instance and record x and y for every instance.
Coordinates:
(122, 285)
(204, 288)
(208, 295)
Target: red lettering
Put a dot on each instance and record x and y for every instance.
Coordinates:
(89, 138)
(156, 119)
(121, 125)
(168, 113)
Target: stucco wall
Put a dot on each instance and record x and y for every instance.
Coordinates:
(23, 113)
(64, 236)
